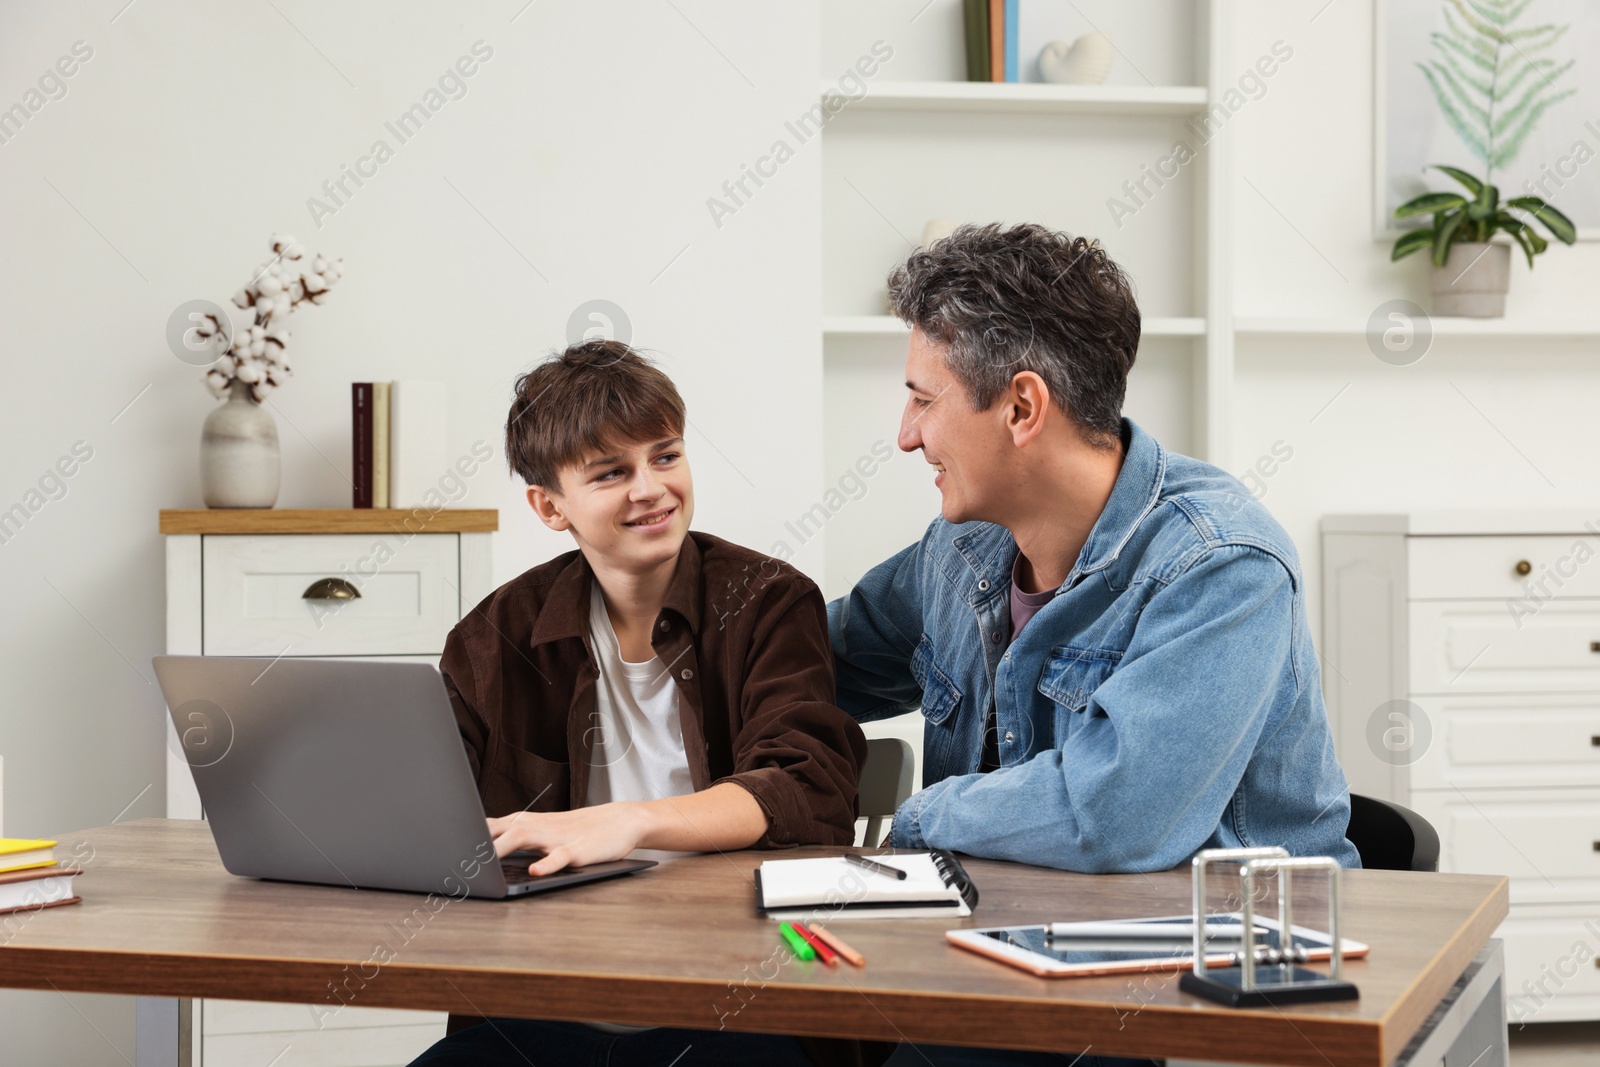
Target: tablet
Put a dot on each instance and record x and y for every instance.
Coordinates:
(1032, 949)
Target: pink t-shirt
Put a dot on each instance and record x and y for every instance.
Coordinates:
(1025, 606)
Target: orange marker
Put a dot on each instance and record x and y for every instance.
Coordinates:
(830, 957)
(835, 942)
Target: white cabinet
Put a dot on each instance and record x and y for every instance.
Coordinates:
(1461, 664)
(236, 586)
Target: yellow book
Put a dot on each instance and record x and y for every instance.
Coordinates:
(18, 854)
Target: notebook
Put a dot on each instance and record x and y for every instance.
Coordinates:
(829, 888)
(26, 890)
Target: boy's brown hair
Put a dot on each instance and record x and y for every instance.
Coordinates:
(590, 398)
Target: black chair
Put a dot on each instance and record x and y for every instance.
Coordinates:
(1391, 837)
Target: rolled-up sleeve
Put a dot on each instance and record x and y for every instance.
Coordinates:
(796, 753)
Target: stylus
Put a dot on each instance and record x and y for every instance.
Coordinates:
(1160, 931)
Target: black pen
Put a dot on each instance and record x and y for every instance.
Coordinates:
(871, 865)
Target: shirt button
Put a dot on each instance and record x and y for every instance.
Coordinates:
(983, 585)
(997, 637)
(687, 674)
(665, 625)
(1010, 737)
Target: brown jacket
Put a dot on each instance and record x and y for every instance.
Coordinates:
(746, 639)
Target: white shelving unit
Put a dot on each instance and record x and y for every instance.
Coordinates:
(1442, 327)
(911, 148)
(872, 325)
(993, 98)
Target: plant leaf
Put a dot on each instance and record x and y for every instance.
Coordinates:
(1477, 24)
(1472, 139)
(1428, 203)
(1561, 227)
(1471, 55)
(1532, 66)
(1410, 242)
(1521, 235)
(1486, 203)
(1444, 236)
(1516, 112)
(1474, 186)
(1507, 152)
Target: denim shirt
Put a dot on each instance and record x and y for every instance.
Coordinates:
(1166, 700)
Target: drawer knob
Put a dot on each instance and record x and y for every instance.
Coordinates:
(331, 589)
(1523, 568)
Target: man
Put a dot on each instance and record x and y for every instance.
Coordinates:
(657, 688)
(1107, 640)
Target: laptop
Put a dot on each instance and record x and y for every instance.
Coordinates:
(343, 773)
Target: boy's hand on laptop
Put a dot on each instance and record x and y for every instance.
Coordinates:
(722, 817)
(574, 838)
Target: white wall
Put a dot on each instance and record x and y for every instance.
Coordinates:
(1477, 423)
(589, 142)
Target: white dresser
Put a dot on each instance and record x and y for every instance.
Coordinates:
(1461, 664)
(385, 584)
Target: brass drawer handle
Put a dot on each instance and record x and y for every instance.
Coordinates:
(1523, 568)
(331, 589)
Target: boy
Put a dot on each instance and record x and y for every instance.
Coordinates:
(656, 688)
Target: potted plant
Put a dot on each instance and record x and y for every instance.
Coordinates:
(1492, 79)
(239, 440)
(1471, 275)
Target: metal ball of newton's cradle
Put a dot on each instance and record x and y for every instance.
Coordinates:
(1274, 956)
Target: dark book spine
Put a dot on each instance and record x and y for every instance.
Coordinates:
(361, 442)
(976, 24)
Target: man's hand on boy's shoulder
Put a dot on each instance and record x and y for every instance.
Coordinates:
(574, 838)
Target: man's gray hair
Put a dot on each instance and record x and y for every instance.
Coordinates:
(1027, 298)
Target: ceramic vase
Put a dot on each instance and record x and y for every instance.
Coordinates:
(239, 453)
(1473, 281)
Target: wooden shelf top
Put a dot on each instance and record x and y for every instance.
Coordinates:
(327, 520)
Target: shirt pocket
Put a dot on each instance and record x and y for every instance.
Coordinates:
(526, 782)
(1070, 677)
(940, 697)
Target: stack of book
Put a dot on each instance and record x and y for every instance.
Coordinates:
(398, 442)
(991, 33)
(29, 877)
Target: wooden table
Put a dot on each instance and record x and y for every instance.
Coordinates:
(682, 945)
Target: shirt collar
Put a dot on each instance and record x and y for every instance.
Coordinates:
(565, 611)
(990, 551)
(1135, 493)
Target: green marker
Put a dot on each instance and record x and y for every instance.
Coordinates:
(802, 947)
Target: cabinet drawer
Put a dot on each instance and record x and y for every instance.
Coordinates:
(252, 1017)
(1479, 646)
(1527, 741)
(380, 1046)
(254, 602)
(1542, 839)
(1551, 972)
(1470, 568)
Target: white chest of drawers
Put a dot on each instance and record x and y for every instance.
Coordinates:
(1462, 674)
(236, 585)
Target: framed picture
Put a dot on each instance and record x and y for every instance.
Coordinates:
(1504, 88)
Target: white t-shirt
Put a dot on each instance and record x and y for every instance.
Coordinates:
(637, 733)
